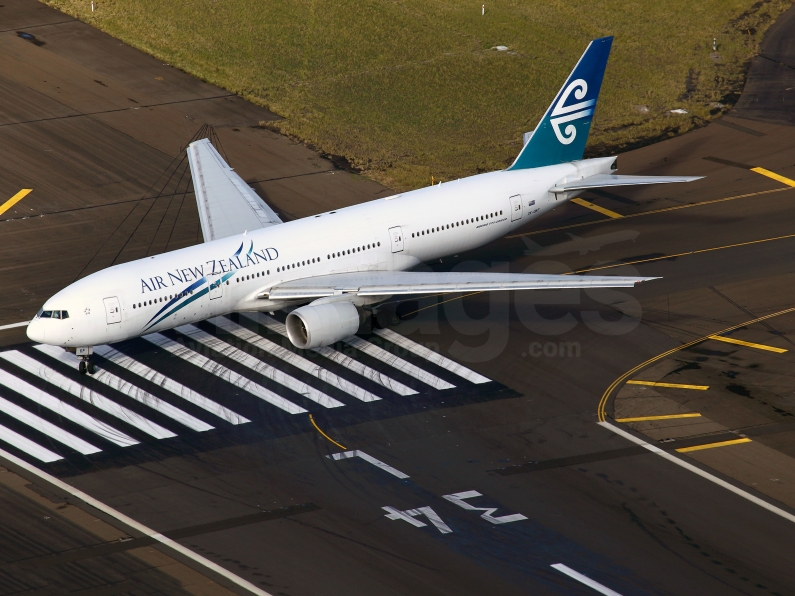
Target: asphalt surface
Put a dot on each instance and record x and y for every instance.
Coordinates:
(96, 128)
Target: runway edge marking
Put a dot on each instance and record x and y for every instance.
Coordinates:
(696, 470)
(145, 530)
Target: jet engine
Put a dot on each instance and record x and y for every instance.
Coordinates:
(318, 325)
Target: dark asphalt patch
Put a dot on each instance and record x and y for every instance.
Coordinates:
(726, 162)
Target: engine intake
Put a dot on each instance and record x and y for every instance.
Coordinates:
(318, 325)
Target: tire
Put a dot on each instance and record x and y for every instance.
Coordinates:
(90, 368)
(82, 367)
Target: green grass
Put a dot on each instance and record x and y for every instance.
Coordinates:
(409, 89)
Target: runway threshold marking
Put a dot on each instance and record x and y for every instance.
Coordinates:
(652, 212)
(706, 475)
(597, 208)
(584, 579)
(774, 176)
(674, 385)
(713, 445)
(661, 417)
(317, 428)
(748, 344)
(681, 254)
(131, 523)
(15, 199)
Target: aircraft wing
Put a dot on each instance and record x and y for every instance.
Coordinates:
(227, 205)
(605, 180)
(381, 283)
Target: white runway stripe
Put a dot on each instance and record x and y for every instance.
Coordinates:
(84, 393)
(397, 362)
(223, 372)
(260, 367)
(335, 356)
(584, 579)
(41, 425)
(431, 356)
(292, 358)
(129, 390)
(28, 446)
(169, 385)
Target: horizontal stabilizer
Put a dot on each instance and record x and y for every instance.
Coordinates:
(605, 180)
(382, 283)
(227, 205)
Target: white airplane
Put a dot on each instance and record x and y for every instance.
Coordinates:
(341, 265)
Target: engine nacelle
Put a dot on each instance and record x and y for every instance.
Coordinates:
(318, 325)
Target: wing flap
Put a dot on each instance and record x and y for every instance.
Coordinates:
(227, 205)
(382, 283)
(607, 180)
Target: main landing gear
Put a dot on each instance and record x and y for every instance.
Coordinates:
(85, 366)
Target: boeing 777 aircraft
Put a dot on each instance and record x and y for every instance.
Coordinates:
(339, 266)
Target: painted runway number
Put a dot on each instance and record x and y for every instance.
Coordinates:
(410, 515)
(460, 500)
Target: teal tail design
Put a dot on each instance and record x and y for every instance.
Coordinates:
(561, 135)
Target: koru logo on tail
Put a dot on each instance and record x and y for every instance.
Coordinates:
(563, 113)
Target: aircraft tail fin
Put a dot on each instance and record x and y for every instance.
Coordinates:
(561, 135)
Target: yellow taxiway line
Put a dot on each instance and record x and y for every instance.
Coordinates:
(623, 378)
(317, 428)
(774, 176)
(712, 445)
(597, 208)
(14, 200)
(674, 385)
(739, 342)
(682, 254)
(662, 417)
(652, 212)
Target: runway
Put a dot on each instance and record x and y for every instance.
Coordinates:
(459, 452)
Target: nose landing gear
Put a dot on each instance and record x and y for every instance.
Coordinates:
(85, 366)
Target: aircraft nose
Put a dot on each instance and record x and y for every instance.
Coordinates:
(36, 331)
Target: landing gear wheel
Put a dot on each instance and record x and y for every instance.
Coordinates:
(82, 367)
(90, 368)
(386, 316)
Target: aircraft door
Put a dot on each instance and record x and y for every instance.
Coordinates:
(216, 288)
(112, 310)
(396, 238)
(516, 207)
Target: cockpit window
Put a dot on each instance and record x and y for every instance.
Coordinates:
(64, 314)
(46, 314)
(56, 314)
(53, 314)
